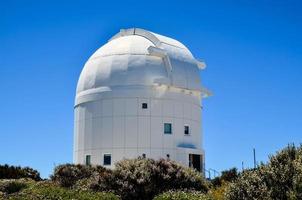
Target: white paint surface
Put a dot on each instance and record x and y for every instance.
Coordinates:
(114, 83)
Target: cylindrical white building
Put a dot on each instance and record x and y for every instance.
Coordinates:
(139, 95)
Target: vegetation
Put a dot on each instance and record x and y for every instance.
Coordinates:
(67, 175)
(280, 178)
(13, 172)
(144, 178)
(9, 186)
(141, 178)
(48, 190)
(183, 195)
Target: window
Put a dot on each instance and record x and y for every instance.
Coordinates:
(107, 159)
(187, 130)
(168, 128)
(144, 105)
(88, 160)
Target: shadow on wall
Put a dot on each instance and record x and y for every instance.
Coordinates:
(186, 145)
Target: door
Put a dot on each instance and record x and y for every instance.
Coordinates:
(195, 161)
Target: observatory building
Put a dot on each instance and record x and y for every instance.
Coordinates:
(140, 94)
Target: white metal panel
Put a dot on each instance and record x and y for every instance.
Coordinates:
(144, 128)
(96, 133)
(187, 111)
(131, 126)
(106, 132)
(117, 155)
(157, 132)
(88, 134)
(146, 151)
(156, 153)
(118, 107)
(196, 111)
(178, 132)
(167, 108)
(107, 107)
(131, 153)
(81, 134)
(170, 152)
(81, 111)
(76, 114)
(178, 109)
(131, 106)
(118, 132)
(156, 107)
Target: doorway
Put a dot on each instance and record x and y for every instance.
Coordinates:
(195, 161)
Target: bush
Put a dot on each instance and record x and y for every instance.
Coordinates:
(226, 176)
(144, 178)
(280, 178)
(13, 172)
(131, 179)
(48, 190)
(8, 186)
(218, 192)
(68, 174)
(182, 195)
(250, 185)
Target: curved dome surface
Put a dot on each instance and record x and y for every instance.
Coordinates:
(139, 57)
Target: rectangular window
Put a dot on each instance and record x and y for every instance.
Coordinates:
(107, 159)
(187, 130)
(88, 160)
(168, 128)
(144, 105)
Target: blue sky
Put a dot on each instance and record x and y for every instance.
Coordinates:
(253, 51)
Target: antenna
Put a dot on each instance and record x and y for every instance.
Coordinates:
(254, 152)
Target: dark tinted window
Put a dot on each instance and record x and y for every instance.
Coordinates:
(144, 105)
(88, 160)
(107, 159)
(187, 130)
(168, 128)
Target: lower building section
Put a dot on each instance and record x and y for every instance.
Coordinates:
(153, 122)
(108, 157)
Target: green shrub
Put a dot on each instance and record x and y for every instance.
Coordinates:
(48, 190)
(250, 185)
(226, 176)
(16, 172)
(182, 195)
(101, 182)
(144, 178)
(280, 178)
(170, 175)
(68, 174)
(8, 186)
(218, 192)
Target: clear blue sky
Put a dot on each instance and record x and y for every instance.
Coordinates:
(253, 50)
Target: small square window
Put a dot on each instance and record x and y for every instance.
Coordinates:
(107, 159)
(187, 130)
(168, 128)
(144, 106)
(88, 160)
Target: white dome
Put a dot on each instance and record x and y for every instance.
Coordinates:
(139, 57)
(139, 94)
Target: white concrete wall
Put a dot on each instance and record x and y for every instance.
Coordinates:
(114, 122)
